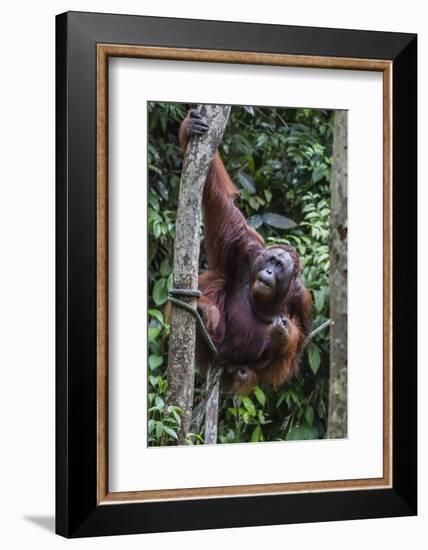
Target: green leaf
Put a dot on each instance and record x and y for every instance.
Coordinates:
(159, 402)
(153, 380)
(249, 405)
(191, 435)
(163, 190)
(268, 195)
(165, 268)
(314, 358)
(301, 432)
(153, 200)
(153, 333)
(153, 216)
(253, 202)
(319, 298)
(156, 314)
(176, 416)
(160, 292)
(155, 361)
(170, 432)
(246, 182)
(157, 230)
(317, 175)
(260, 396)
(159, 429)
(255, 221)
(262, 418)
(257, 434)
(170, 282)
(278, 221)
(261, 140)
(309, 415)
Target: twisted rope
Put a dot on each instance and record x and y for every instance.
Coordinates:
(319, 329)
(189, 293)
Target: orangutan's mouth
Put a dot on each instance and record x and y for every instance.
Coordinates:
(264, 284)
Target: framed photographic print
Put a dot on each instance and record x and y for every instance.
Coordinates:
(236, 274)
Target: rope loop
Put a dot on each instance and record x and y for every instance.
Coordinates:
(185, 292)
(190, 293)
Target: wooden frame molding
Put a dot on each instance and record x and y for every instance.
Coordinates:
(104, 52)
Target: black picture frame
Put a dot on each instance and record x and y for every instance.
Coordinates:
(77, 512)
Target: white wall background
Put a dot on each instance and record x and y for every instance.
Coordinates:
(27, 272)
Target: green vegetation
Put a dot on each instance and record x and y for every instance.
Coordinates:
(280, 159)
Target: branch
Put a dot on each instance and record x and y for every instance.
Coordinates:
(181, 358)
(211, 409)
(337, 416)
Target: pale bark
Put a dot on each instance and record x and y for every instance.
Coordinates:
(338, 416)
(211, 410)
(181, 357)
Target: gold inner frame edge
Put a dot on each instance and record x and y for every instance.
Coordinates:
(104, 51)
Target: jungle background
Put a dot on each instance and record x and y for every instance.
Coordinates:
(280, 160)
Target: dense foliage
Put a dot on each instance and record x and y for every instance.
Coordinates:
(280, 159)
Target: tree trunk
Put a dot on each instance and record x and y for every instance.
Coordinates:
(338, 415)
(211, 410)
(181, 357)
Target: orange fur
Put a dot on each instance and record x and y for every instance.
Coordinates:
(243, 339)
